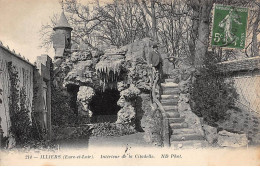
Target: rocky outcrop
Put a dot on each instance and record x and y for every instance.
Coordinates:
(211, 134)
(83, 99)
(81, 74)
(184, 77)
(127, 113)
(153, 126)
(125, 69)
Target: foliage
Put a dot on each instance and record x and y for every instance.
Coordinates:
(111, 129)
(4, 142)
(211, 94)
(67, 133)
(62, 114)
(39, 145)
(19, 114)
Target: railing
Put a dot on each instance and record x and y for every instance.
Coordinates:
(1, 134)
(165, 132)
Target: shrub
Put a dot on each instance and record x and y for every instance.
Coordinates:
(112, 129)
(211, 94)
(62, 113)
(71, 133)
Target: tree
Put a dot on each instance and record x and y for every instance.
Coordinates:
(181, 27)
(152, 15)
(202, 42)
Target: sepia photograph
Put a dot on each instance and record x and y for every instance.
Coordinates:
(129, 82)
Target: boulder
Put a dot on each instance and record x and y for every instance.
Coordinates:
(121, 86)
(126, 115)
(84, 96)
(256, 139)
(132, 91)
(184, 98)
(228, 139)
(81, 56)
(184, 86)
(182, 106)
(153, 124)
(11, 142)
(80, 74)
(193, 122)
(173, 73)
(211, 134)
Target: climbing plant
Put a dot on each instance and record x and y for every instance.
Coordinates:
(19, 114)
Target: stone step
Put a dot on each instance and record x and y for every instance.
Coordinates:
(169, 85)
(166, 97)
(178, 125)
(171, 108)
(173, 114)
(171, 92)
(184, 137)
(189, 144)
(169, 80)
(176, 120)
(170, 104)
(170, 101)
(183, 131)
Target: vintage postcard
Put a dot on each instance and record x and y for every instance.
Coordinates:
(129, 83)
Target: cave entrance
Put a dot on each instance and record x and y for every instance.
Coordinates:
(104, 106)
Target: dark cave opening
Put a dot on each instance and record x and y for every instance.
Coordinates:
(104, 106)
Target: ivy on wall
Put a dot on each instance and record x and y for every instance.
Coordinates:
(21, 126)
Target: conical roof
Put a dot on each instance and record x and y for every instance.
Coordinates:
(63, 22)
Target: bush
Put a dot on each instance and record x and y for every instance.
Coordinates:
(112, 129)
(62, 114)
(71, 133)
(211, 94)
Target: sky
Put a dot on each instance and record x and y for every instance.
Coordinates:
(20, 23)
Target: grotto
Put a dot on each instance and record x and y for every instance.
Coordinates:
(104, 106)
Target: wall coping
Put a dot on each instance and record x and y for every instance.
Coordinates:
(15, 54)
(252, 63)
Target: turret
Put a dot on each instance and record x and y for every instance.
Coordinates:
(62, 36)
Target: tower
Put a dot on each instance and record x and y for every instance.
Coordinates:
(62, 36)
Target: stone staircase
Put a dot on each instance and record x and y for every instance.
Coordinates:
(182, 136)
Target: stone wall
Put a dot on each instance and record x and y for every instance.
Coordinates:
(25, 75)
(34, 79)
(245, 74)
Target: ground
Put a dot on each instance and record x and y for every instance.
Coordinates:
(132, 140)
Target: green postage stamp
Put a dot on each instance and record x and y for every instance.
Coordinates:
(229, 26)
